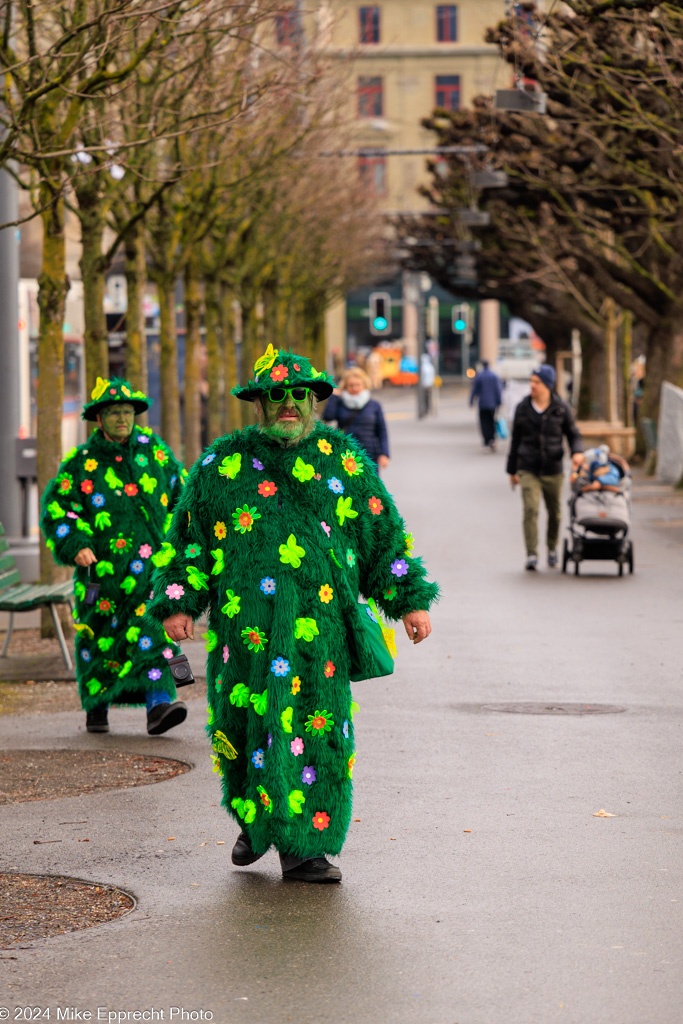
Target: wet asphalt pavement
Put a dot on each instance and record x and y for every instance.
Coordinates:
(479, 887)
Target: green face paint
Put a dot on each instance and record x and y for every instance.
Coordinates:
(287, 419)
(117, 421)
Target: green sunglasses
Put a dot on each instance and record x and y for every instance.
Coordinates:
(279, 394)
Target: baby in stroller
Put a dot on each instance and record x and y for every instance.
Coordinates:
(600, 510)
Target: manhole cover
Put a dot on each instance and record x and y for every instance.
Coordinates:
(539, 708)
(39, 906)
(49, 774)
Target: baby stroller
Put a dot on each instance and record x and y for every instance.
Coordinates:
(600, 512)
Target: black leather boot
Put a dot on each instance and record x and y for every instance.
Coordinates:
(97, 720)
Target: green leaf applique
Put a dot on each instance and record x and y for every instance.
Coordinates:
(344, 510)
(148, 483)
(291, 553)
(104, 569)
(260, 702)
(306, 629)
(112, 479)
(105, 643)
(219, 557)
(296, 801)
(197, 579)
(222, 745)
(232, 605)
(102, 520)
(231, 465)
(56, 511)
(211, 640)
(129, 584)
(239, 695)
(165, 555)
(286, 719)
(303, 471)
(132, 634)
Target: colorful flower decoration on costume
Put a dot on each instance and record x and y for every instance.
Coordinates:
(62, 530)
(410, 542)
(141, 460)
(120, 544)
(319, 722)
(141, 609)
(351, 464)
(305, 629)
(309, 775)
(321, 820)
(220, 530)
(167, 653)
(137, 566)
(104, 606)
(85, 655)
(376, 505)
(371, 614)
(352, 761)
(98, 500)
(335, 485)
(174, 591)
(390, 593)
(268, 585)
(163, 499)
(265, 799)
(345, 729)
(325, 446)
(279, 666)
(65, 483)
(326, 528)
(243, 518)
(144, 643)
(279, 373)
(161, 456)
(208, 459)
(297, 746)
(344, 510)
(87, 486)
(326, 593)
(254, 638)
(330, 669)
(193, 551)
(90, 465)
(232, 605)
(226, 653)
(222, 745)
(141, 439)
(154, 674)
(257, 758)
(291, 553)
(399, 567)
(350, 557)
(303, 471)
(296, 685)
(265, 361)
(267, 488)
(231, 465)
(257, 464)
(131, 490)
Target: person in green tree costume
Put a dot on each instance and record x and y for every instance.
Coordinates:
(106, 512)
(280, 526)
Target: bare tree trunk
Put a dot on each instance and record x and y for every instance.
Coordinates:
(92, 218)
(168, 370)
(215, 365)
(664, 363)
(592, 396)
(229, 332)
(53, 286)
(250, 346)
(136, 338)
(193, 370)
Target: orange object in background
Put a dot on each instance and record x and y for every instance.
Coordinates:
(390, 369)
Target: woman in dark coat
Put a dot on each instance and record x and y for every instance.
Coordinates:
(360, 415)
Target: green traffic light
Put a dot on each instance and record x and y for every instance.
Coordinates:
(380, 323)
(460, 325)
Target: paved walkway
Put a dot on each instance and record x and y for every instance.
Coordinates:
(479, 887)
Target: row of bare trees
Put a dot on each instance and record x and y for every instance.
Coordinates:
(591, 221)
(181, 136)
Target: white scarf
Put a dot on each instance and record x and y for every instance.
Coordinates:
(358, 401)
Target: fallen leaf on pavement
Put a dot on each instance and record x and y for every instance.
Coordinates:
(602, 813)
(220, 842)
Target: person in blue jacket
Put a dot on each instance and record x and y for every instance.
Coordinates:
(487, 387)
(360, 415)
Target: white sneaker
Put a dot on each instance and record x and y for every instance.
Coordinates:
(531, 563)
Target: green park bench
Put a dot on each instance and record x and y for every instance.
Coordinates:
(16, 596)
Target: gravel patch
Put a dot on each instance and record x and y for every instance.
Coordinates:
(39, 906)
(27, 775)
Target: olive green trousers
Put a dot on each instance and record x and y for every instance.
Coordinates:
(550, 487)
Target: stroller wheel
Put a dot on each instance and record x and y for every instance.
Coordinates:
(631, 561)
(565, 555)
(620, 571)
(576, 567)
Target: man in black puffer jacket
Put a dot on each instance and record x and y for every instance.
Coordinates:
(541, 422)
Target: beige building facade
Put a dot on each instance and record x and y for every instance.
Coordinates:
(407, 59)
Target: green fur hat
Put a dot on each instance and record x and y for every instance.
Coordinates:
(117, 389)
(286, 369)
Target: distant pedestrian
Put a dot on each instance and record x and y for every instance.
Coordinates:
(487, 387)
(541, 420)
(359, 415)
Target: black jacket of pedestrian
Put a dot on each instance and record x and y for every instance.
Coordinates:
(366, 424)
(536, 443)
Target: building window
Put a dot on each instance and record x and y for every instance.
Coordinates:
(372, 171)
(448, 92)
(286, 27)
(370, 99)
(369, 24)
(447, 23)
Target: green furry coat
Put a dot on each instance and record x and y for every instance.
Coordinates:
(278, 542)
(117, 500)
